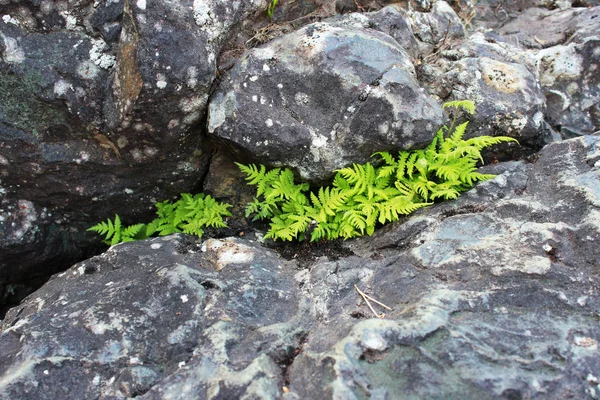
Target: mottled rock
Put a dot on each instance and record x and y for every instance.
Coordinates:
(485, 291)
(101, 111)
(321, 98)
(162, 318)
(569, 73)
(500, 79)
(494, 295)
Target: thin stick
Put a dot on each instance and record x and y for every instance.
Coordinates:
(366, 298)
(378, 302)
(367, 301)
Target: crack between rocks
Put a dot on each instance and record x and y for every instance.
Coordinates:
(286, 363)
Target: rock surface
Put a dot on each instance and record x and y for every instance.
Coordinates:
(494, 295)
(102, 107)
(321, 98)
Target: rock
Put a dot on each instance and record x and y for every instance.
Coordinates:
(568, 74)
(101, 111)
(439, 25)
(321, 98)
(161, 318)
(503, 279)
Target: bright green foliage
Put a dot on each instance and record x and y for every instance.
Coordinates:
(271, 8)
(363, 195)
(190, 214)
(116, 233)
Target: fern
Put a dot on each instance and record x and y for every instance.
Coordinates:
(115, 233)
(271, 8)
(190, 214)
(364, 195)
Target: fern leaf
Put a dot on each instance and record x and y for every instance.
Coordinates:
(459, 132)
(468, 105)
(134, 232)
(387, 158)
(402, 164)
(481, 142)
(410, 164)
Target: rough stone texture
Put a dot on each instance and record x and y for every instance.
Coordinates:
(101, 111)
(494, 295)
(321, 98)
(161, 318)
(557, 45)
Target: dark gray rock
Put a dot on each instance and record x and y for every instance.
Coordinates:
(494, 295)
(321, 98)
(160, 318)
(101, 111)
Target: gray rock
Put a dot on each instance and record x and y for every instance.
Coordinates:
(321, 98)
(160, 318)
(569, 73)
(494, 295)
(500, 79)
(101, 105)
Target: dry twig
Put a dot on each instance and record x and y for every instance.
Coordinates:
(366, 298)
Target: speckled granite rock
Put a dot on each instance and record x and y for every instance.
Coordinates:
(493, 296)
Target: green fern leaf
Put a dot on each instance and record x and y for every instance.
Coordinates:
(458, 133)
(468, 105)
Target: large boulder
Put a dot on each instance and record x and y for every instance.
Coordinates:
(101, 111)
(494, 295)
(321, 98)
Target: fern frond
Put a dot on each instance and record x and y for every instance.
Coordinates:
(362, 195)
(386, 157)
(402, 163)
(467, 105)
(458, 133)
(481, 142)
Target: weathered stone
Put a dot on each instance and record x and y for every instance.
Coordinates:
(439, 25)
(321, 98)
(162, 318)
(494, 295)
(101, 105)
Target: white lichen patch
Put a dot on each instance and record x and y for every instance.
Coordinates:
(87, 70)
(559, 62)
(70, 20)
(155, 246)
(301, 99)
(61, 87)
(269, 122)
(10, 20)
(13, 53)
(192, 77)
(318, 143)
(4, 160)
(98, 57)
(28, 216)
(141, 4)
(219, 109)
(193, 104)
(161, 81)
